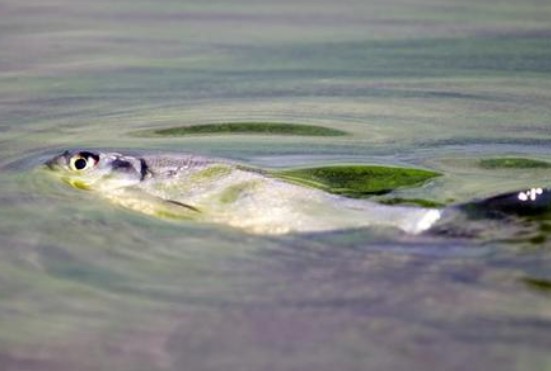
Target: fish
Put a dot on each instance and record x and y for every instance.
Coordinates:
(219, 191)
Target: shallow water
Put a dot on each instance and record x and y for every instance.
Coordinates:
(427, 83)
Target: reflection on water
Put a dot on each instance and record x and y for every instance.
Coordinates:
(425, 83)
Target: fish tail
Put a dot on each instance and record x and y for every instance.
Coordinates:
(533, 202)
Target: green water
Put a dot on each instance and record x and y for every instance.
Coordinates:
(432, 84)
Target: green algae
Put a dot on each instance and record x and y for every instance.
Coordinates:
(271, 128)
(538, 284)
(210, 173)
(412, 201)
(357, 180)
(513, 163)
(232, 193)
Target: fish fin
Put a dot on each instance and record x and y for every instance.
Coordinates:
(138, 200)
(533, 202)
(178, 203)
(175, 210)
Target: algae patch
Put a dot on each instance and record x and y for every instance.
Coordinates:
(538, 284)
(513, 163)
(412, 201)
(268, 128)
(357, 180)
(210, 173)
(232, 193)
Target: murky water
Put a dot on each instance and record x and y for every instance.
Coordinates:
(430, 83)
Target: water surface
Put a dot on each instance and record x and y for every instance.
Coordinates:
(426, 83)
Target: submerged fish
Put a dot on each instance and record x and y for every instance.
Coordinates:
(224, 192)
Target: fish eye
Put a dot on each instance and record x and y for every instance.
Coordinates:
(80, 162)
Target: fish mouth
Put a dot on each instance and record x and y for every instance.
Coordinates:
(76, 183)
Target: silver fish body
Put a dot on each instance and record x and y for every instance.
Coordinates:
(224, 192)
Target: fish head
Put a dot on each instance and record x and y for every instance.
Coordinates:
(91, 170)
